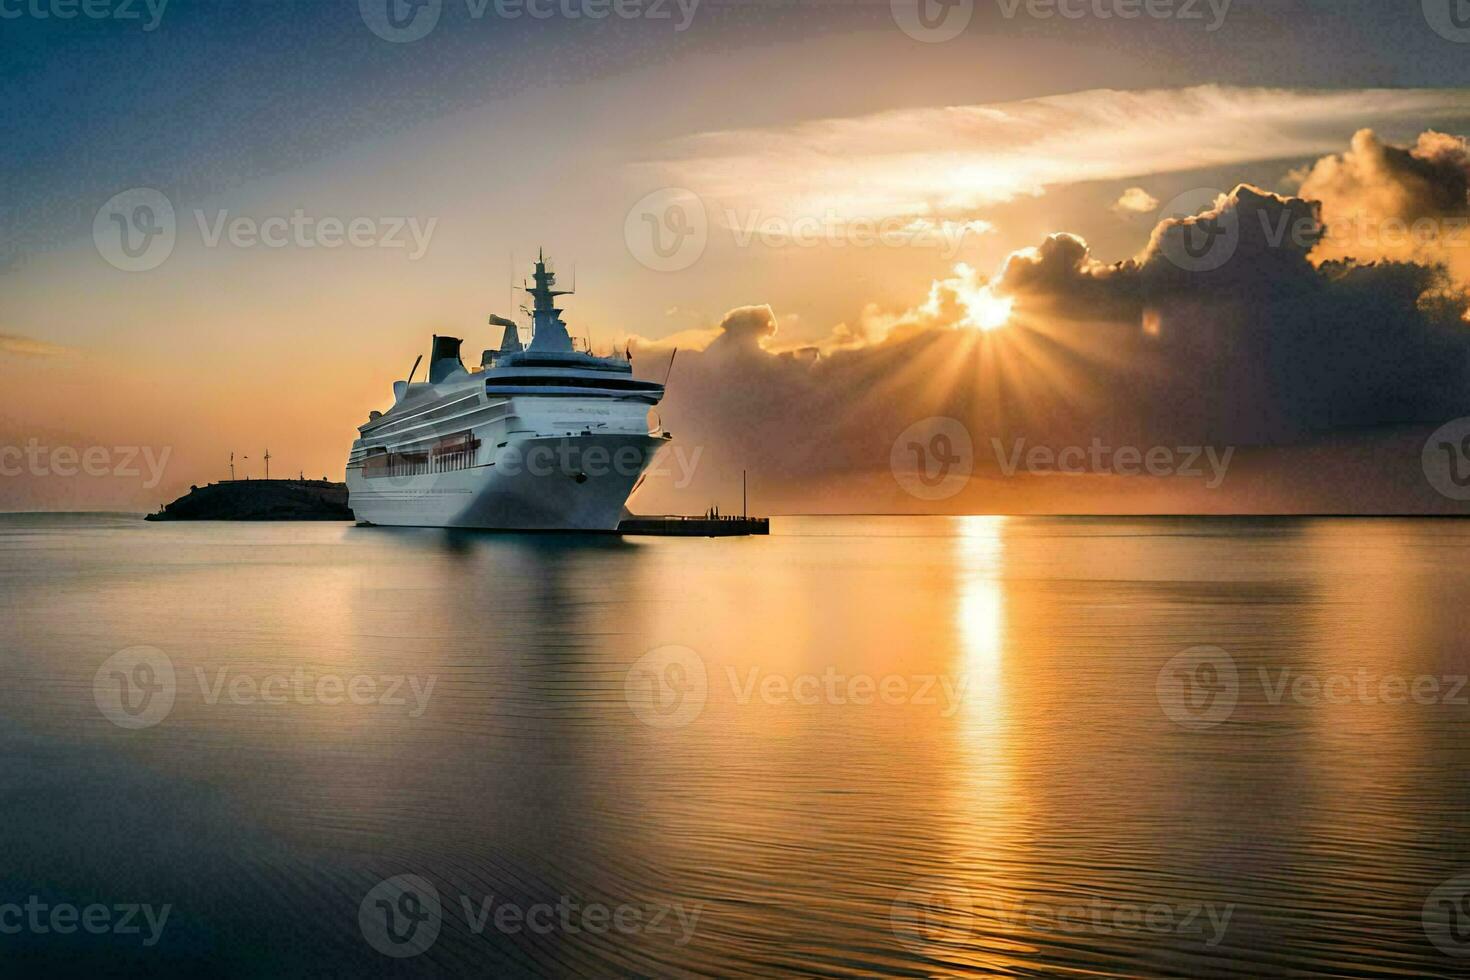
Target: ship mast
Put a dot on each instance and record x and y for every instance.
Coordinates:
(547, 330)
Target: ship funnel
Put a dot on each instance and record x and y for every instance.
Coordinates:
(444, 360)
(510, 342)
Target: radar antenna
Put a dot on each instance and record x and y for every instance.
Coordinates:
(548, 332)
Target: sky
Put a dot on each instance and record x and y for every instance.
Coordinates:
(228, 227)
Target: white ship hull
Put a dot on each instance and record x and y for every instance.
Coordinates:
(543, 437)
(542, 484)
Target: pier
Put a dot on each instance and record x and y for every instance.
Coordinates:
(677, 526)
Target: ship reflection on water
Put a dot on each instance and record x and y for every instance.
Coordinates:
(859, 746)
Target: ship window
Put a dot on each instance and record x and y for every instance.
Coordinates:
(459, 451)
(568, 381)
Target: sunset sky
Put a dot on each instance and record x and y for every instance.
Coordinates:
(791, 133)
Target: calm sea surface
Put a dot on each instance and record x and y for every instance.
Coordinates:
(861, 746)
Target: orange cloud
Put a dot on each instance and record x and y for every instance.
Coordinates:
(947, 162)
(1380, 201)
(30, 347)
(1136, 200)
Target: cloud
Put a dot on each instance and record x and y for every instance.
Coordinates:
(30, 347)
(1427, 179)
(745, 330)
(952, 303)
(697, 338)
(1136, 200)
(1380, 201)
(1269, 347)
(948, 162)
(1272, 347)
(1062, 277)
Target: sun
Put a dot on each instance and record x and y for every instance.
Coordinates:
(984, 310)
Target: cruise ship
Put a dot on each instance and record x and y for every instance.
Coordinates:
(541, 436)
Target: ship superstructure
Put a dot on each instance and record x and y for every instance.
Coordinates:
(541, 437)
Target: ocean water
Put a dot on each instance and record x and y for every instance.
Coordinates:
(861, 746)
